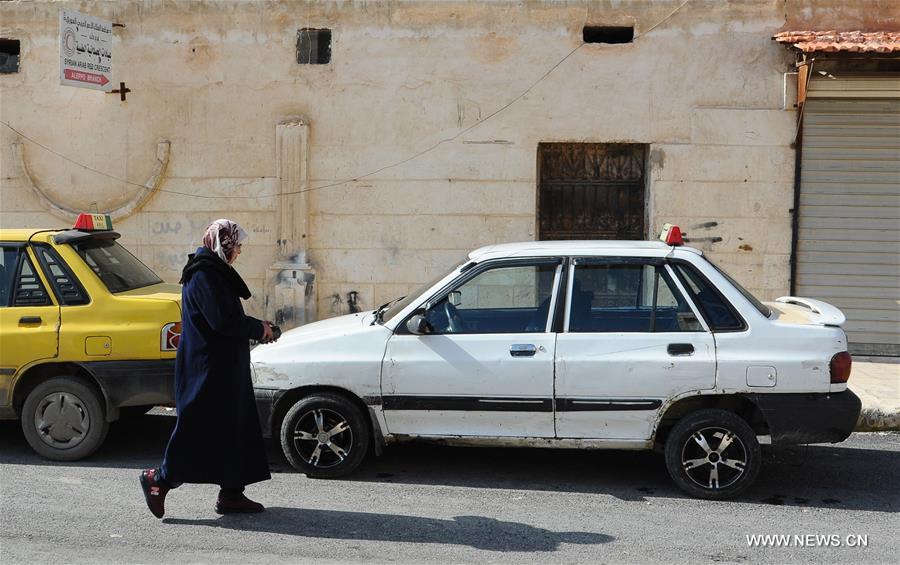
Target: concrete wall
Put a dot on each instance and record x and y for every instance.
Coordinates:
(704, 89)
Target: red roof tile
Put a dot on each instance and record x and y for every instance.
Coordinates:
(834, 41)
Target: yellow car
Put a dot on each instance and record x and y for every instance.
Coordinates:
(87, 333)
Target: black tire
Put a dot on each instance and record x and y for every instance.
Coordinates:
(701, 466)
(301, 436)
(63, 419)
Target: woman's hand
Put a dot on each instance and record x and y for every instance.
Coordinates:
(268, 336)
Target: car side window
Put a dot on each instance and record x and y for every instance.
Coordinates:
(28, 289)
(627, 298)
(719, 314)
(67, 288)
(8, 262)
(505, 299)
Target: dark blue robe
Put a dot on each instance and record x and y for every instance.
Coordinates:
(217, 438)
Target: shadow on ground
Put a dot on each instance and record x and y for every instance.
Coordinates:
(821, 476)
(475, 531)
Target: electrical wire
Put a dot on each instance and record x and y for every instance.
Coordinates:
(662, 21)
(449, 139)
(113, 177)
(333, 184)
(358, 177)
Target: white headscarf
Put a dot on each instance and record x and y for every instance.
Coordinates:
(222, 237)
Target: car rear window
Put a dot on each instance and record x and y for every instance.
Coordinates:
(719, 313)
(114, 265)
(763, 309)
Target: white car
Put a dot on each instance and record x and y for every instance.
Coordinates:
(570, 344)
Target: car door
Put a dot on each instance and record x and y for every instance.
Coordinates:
(631, 342)
(485, 366)
(29, 320)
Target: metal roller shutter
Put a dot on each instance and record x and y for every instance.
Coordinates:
(848, 249)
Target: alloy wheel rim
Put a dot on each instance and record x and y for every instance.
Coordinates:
(61, 420)
(714, 458)
(323, 438)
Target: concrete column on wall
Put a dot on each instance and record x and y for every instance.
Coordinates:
(290, 282)
(292, 164)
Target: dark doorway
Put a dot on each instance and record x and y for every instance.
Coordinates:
(591, 190)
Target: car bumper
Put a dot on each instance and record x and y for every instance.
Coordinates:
(265, 406)
(809, 418)
(135, 383)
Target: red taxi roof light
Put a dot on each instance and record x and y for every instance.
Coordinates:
(92, 222)
(671, 234)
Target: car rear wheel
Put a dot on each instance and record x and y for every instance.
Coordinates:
(325, 436)
(713, 454)
(63, 419)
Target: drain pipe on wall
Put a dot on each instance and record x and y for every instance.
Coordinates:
(804, 71)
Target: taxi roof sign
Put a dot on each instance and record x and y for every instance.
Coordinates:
(93, 222)
(671, 234)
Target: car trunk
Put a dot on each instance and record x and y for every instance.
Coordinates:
(160, 291)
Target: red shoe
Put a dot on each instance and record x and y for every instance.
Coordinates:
(242, 505)
(154, 493)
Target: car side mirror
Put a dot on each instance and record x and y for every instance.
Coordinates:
(418, 325)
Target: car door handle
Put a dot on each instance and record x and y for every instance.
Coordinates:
(30, 320)
(680, 349)
(522, 350)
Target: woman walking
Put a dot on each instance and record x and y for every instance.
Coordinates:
(217, 438)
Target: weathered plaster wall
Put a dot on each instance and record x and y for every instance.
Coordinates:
(704, 89)
(841, 15)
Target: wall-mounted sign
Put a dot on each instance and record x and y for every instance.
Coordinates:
(85, 51)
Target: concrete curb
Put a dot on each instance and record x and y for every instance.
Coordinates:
(876, 381)
(875, 420)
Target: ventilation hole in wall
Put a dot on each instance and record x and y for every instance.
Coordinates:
(313, 46)
(608, 34)
(9, 55)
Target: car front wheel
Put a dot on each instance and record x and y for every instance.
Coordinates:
(325, 436)
(63, 419)
(713, 454)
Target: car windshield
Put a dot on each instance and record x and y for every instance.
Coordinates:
(397, 306)
(114, 265)
(763, 309)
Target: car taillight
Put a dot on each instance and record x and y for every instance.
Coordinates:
(840, 367)
(170, 336)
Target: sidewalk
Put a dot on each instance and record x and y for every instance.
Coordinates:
(876, 380)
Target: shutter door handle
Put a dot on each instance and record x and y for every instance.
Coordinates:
(30, 320)
(678, 349)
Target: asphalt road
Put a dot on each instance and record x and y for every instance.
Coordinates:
(442, 504)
